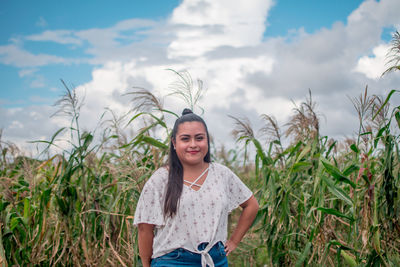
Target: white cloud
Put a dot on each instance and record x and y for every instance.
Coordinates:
(104, 45)
(138, 24)
(16, 125)
(203, 25)
(374, 66)
(15, 56)
(244, 74)
(58, 36)
(27, 72)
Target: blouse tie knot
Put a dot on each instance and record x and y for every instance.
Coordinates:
(206, 258)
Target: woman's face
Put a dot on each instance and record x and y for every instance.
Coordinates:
(191, 143)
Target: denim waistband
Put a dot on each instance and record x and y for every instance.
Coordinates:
(216, 256)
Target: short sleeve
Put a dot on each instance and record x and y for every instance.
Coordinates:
(149, 207)
(238, 192)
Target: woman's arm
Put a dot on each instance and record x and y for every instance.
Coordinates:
(146, 235)
(249, 212)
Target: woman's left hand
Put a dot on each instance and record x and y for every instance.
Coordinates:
(229, 247)
(249, 212)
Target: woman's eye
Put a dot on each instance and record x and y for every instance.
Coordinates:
(199, 138)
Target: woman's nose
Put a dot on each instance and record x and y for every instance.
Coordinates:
(192, 142)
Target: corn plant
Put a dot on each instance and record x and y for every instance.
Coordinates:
(323, 202)
(324, 206)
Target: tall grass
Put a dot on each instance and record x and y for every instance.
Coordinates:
(323, 202)
(325, 206)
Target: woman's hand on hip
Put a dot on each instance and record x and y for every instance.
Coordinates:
(229, 247)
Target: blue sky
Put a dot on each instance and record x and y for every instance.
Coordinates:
(24, 18)
(266, 52)
(35, 17)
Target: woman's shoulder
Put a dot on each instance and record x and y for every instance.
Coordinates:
(218, 167)
(159, 177)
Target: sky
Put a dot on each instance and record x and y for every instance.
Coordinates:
(253, 57)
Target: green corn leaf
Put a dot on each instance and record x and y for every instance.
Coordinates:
(337, 191)
(337, 243)
(264, 158)
(170, 112)
(134, 117)
(354, 148)
(348, 259)
(88, 138)
(335, 212)
(300, 166)
(304, 152)
(303, 255)
(62, 205)
(366, 133)
(397, 116)
(23, 183)
(330, 148)
(51, 142)
(160, 122)
(349, 170)
(2, 252)
(332, 170)
(257, 163)
(151, 141)
(27, 207)
(384, 103)
(125, 146)
(3, 205)
(293, 149)
(379, 134)
(15, 222)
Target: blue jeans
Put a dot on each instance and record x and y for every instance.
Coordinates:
(183, 257)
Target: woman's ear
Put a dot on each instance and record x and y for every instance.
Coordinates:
(173, 144)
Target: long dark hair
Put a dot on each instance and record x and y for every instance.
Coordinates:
(175, 171)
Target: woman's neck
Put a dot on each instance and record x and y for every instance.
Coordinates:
(195, 168)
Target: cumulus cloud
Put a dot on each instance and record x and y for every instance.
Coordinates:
(15, 56)
(124, 41)
(121, 42)
(203, 25)
(374, 66)
(23, 125)
(245, 74)
(58, 36)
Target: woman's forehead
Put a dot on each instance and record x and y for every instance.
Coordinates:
(191, 127)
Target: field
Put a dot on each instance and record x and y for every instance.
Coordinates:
(323, 202)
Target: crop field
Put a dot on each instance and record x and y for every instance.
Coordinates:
(323, 202)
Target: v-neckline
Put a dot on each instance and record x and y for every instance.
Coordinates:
(202, 185)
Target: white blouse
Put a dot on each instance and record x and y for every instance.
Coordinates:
(202, 216)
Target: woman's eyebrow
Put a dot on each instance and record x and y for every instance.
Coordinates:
(198, 134)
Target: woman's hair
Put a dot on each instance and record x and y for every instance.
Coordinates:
(175, 171)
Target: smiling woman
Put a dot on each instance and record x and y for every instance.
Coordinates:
(182, 212)
(191, 143)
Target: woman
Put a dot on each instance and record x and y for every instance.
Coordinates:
(182, 212)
